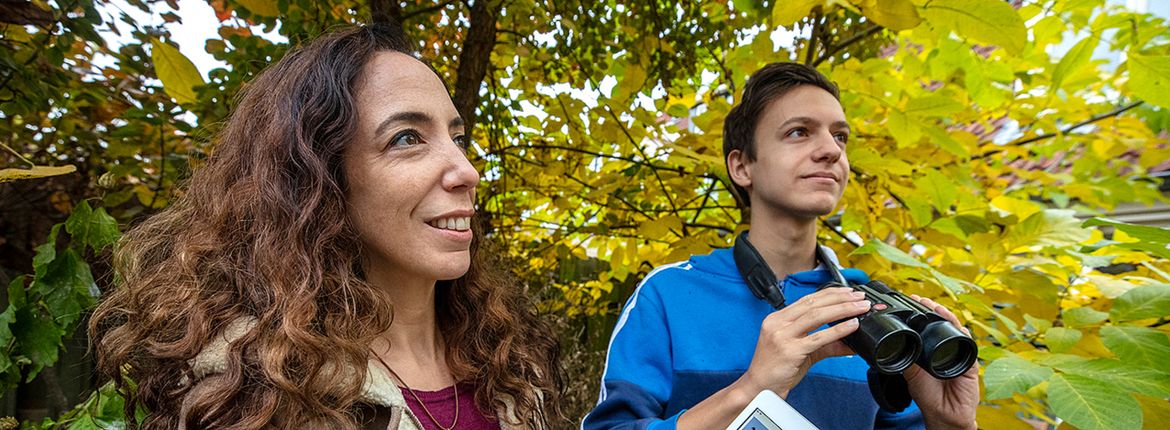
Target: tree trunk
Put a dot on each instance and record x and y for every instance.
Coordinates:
(385, 12)
(474, 59)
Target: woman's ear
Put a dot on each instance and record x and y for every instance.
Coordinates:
(739, 169)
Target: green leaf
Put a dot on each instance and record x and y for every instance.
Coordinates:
(1140, 232)
(177, 73)
(1080, 317)
(1149, 78)
(987, 21)
(6, 337)
(67, 287)
(1145, 380)
(1153, 240)
(46, 252)
(895, 15)
(786, 13)
(933, 106)
(890, 253)
(1060, 339)
(36, 172)
(1093, 404)
(1012, 374)
(95, 228)
(940, 189)
(1139, 346)
(944, 140)
(40, 339)
(1147, 301)
(1078, 56)
(905, 131)
(1048, 228)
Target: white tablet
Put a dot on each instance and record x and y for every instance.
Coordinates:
(769, 412)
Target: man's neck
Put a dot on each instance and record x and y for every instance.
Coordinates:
(787, 245)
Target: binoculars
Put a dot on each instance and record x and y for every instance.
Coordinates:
(897, 331)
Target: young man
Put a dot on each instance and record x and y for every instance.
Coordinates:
(693, 345)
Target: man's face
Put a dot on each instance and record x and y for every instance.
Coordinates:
(800, 170)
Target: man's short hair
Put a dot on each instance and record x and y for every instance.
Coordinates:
(769, 83)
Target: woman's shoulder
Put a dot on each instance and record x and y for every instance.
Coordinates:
(377, 387)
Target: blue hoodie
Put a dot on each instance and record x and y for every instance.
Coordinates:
(690, 329)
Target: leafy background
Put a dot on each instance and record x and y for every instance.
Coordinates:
(987, 137)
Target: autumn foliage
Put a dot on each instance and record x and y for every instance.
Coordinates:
(988, 135)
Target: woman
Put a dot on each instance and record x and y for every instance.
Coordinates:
(320, 270)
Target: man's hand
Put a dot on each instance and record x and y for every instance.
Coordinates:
(949, 403)
(786, 349)
(784, 353)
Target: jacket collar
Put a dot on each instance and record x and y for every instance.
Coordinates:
(378, 388)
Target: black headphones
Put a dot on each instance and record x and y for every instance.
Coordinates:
(755, 271)
(889, 391)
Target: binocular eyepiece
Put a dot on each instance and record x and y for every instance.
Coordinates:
(897, 331)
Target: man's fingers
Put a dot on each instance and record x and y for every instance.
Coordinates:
(798, 323)
(818, 340)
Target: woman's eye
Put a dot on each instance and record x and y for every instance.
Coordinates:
(406, 138)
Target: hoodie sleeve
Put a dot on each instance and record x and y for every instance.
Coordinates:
(636, 382)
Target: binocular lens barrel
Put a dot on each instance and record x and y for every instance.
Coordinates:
(886, 342)
(946, 351)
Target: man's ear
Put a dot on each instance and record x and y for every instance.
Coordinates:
(739, 169)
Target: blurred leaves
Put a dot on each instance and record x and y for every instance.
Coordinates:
(979, 145)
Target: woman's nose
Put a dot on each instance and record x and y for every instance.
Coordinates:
(460, 172)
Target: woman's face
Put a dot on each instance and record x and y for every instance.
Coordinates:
(411, 188)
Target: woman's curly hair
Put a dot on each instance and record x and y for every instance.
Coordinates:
(262, 234)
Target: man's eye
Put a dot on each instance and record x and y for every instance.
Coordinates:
(406, 138)
(798, 132)
(842, 137)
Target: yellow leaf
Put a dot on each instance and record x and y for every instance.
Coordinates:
(999, 418)
(260, 7)
(177, 73)
(1149, 78)
(660, 228)
(1022, 209)
(905, 131)
(8, 175)
(1157, 412)
(1078, 56)
(786, 13)
(986, 21)
(892, 14)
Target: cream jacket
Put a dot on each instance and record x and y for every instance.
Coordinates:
(379, 389)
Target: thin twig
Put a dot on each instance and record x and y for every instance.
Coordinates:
(825, 223)
(1068, 130)
(17, 154)
(832, 50)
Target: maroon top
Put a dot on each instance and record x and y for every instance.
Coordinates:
(442, 405)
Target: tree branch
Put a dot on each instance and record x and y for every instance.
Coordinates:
(832, 50)
(825, 223)
(812, 36)
(1068, 130)
(425, 10)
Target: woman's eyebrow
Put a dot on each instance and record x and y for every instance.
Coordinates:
(413, 117)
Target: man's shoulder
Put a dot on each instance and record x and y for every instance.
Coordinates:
(718, 263)
(711, 276)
